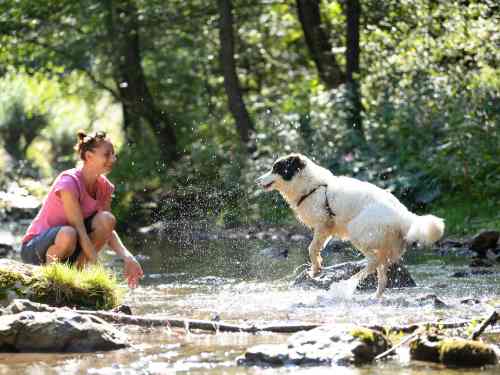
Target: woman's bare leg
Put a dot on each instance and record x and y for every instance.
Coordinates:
(103, 225)
(64, 245)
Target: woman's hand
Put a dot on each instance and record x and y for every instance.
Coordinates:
(132, 271)
(89, 252)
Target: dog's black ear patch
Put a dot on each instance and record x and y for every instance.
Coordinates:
(289, 167)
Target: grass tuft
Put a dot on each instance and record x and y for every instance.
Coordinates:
(58, 284)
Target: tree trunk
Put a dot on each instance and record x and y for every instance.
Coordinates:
(353, 12)
(318, 43)
(138, 103)
(237, 106)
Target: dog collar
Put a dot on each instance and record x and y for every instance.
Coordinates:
(304, 197)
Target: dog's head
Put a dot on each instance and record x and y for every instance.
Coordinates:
(284, 170)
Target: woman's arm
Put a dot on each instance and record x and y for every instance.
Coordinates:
(116, 244)
(74, 216)
(132, 269)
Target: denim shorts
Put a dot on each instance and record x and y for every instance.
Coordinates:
(35, 250)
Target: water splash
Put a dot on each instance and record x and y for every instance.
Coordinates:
(343, 290)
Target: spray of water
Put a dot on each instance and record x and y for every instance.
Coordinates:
(340, 291)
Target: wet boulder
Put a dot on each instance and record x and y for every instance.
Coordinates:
(434, 300)
(6, 244)
(20, 305)
(17, 204)
(274, 252)
(57, 331)
(398, 276)
(452, 351)
(5, 250)
(471, 273)
(483, 241)
(425, 348)
(342, 345)
(453, 247)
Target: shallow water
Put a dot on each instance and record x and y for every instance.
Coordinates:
(233, 281)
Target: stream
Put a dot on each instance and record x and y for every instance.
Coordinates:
(232, 280)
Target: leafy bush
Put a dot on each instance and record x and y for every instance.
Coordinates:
(18, 126)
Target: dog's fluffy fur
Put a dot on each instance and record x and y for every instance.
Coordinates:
(371, 218)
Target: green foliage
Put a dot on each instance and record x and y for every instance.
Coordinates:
(19, 126)
(429, 81)
(465, 215)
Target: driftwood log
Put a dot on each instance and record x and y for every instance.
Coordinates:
(18, 306)
(217, 326)
(205, 325)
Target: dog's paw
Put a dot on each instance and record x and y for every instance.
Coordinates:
(314, 271)
(377, 296)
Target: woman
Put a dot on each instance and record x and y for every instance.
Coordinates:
(75, 220)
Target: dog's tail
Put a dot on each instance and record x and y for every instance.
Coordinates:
(425, 229)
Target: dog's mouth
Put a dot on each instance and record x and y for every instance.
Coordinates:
(267, 186)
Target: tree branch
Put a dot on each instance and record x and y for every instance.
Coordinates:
(72, 58)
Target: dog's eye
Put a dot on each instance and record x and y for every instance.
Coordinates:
(279, 167)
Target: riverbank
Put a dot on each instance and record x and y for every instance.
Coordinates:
(59, 285)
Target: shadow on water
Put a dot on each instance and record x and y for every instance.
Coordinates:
(248, 281)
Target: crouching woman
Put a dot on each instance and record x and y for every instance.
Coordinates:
(75, 220)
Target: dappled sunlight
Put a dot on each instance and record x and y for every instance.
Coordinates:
(198, 99)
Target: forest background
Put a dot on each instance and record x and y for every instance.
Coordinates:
(201, 96)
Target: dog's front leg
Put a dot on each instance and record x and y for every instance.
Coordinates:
(315, 247)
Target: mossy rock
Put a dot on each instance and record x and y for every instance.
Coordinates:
(457, 352)
(452, 351)
(363, 334)
(60, 285)
(340, 345)
(425, 348)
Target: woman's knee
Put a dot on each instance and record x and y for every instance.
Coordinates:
(67, 238)
(104, 220)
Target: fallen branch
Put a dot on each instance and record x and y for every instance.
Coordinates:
(217, 326)
(491, 320)
(413, 327)
(399, 344)
(206, 325)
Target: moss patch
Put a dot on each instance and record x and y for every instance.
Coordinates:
(452, 351)
(466, 353)
(63, 285)
(366, 335)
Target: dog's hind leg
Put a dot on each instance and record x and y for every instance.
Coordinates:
(382, 279)
(319, 239)
(369, 269)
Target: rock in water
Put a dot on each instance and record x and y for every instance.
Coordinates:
(326, 345)
(398, 276)
(57, 331)
(484, 240)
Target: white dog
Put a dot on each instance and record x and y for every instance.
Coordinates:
(371, 218)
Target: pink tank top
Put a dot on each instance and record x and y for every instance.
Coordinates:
(52, 213)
